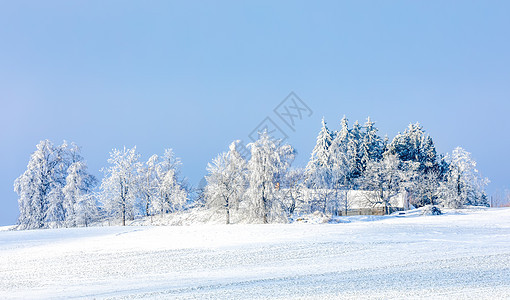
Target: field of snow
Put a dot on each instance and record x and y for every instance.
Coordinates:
(457, 255)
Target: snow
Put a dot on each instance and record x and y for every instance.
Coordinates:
(461, 254)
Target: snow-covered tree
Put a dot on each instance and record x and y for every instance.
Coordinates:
(318, 170)
(342, 136)
(119, 187)
(414, 145)
(354, 151)
(172, 192)
(384, 177)
(76, 194)
(266, 168)
(41, 187)
(148, 184)
(79, 204)
(33, 187)
(464, 185)
(226, 181)
(422, 188)
(346, 156)
(371, 145)
(292, 191)
(55, 215)
(351, 151)
(340, 167)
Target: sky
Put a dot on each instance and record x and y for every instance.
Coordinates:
(194, 76)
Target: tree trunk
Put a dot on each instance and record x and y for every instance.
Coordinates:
(264, 201)
(123, 211)
(346, 201)
(264, 204)
(147, 199)
(325, 203)
(123, 194)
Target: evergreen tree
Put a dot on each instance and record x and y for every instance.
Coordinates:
(318, 171)
(340, 160)
(341, 138)
(371, 145)
(320, 159)
(354, 151)
(414, 145)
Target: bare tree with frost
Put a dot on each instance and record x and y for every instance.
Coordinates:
(79, 204)
(44, 192)
(266, 168)
(171, 192)
(226, 181)
(292, 191)
(385, 178)
(120, 183)
(464, 185)
(33, 187)
(148, 185)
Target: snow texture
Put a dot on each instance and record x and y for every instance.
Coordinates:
(461, 254)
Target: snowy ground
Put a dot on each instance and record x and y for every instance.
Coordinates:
(458, 255)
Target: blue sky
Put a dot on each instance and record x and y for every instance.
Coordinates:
(194, 76)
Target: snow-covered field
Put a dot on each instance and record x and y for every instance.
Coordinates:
(457, 255)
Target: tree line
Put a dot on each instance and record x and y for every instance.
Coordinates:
(57, 190)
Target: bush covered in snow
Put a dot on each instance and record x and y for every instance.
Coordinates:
(431, 210)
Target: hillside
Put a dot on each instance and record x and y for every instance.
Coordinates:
(463, 254)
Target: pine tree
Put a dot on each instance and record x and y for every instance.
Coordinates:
(429, 157)
(341, 170)
(354, 152)
(341, 138)
(371, 145)
(414, 145)
(318, 171)
(321, 156)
